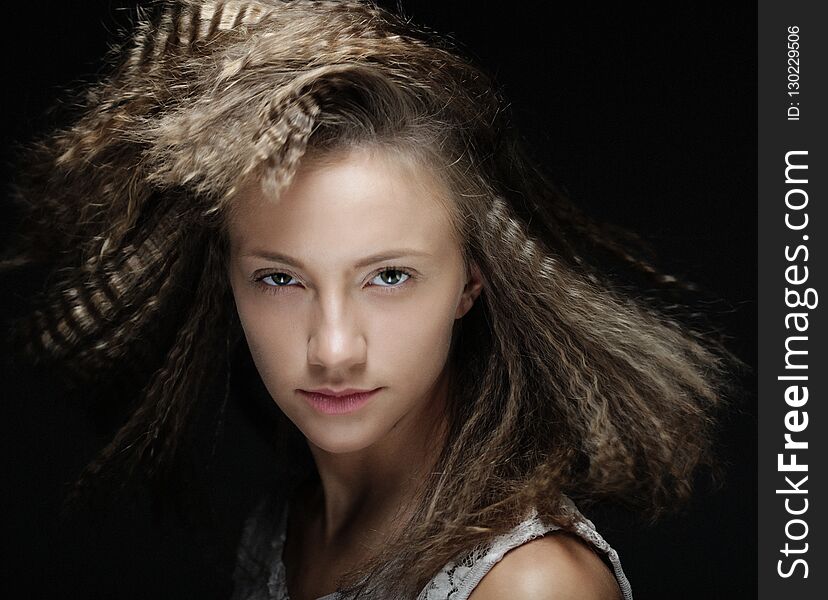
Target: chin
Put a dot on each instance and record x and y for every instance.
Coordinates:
(337, 440)
(340, 446)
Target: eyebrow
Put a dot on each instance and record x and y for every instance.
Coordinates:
(368, 260)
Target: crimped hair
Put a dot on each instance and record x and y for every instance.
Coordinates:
(563, 381)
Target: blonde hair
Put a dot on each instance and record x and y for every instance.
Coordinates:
(563, 382)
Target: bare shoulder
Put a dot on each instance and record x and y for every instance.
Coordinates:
(557, 566)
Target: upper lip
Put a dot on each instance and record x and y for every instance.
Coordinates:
(338, 393)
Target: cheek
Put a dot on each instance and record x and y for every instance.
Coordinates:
(272, 336)
(411, 340)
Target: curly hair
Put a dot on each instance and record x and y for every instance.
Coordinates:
(566, 383)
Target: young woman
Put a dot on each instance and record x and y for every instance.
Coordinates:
(341, 195)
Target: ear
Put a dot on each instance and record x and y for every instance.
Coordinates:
(472, 289)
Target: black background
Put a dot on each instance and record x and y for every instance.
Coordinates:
(646, 115)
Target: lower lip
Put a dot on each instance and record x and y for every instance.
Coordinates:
(338, 405)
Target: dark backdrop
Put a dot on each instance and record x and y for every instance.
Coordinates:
(646, 115)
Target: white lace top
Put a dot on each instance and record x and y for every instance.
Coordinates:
(260, 572)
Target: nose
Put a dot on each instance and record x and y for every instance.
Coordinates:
(336, 342)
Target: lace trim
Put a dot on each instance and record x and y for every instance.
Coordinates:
(458, 578)
(455, 581)
(586, 529)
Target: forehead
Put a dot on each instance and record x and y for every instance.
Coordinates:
(359, 200)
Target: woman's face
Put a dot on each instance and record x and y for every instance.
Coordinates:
(352, 279)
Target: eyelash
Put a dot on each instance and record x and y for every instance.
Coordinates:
(277, 289)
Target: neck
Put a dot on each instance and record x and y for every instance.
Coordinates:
(369, 489)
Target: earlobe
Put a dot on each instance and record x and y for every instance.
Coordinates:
(471, 291)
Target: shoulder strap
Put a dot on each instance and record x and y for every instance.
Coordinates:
(458, 578)
(586, 529)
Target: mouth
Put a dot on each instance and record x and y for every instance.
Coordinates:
(338, 403)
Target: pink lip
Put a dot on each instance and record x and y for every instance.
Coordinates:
(342, 392)
(332, 402)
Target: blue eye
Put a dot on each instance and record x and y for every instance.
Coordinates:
(400, 277)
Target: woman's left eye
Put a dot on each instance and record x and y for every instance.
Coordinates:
(397, 277)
